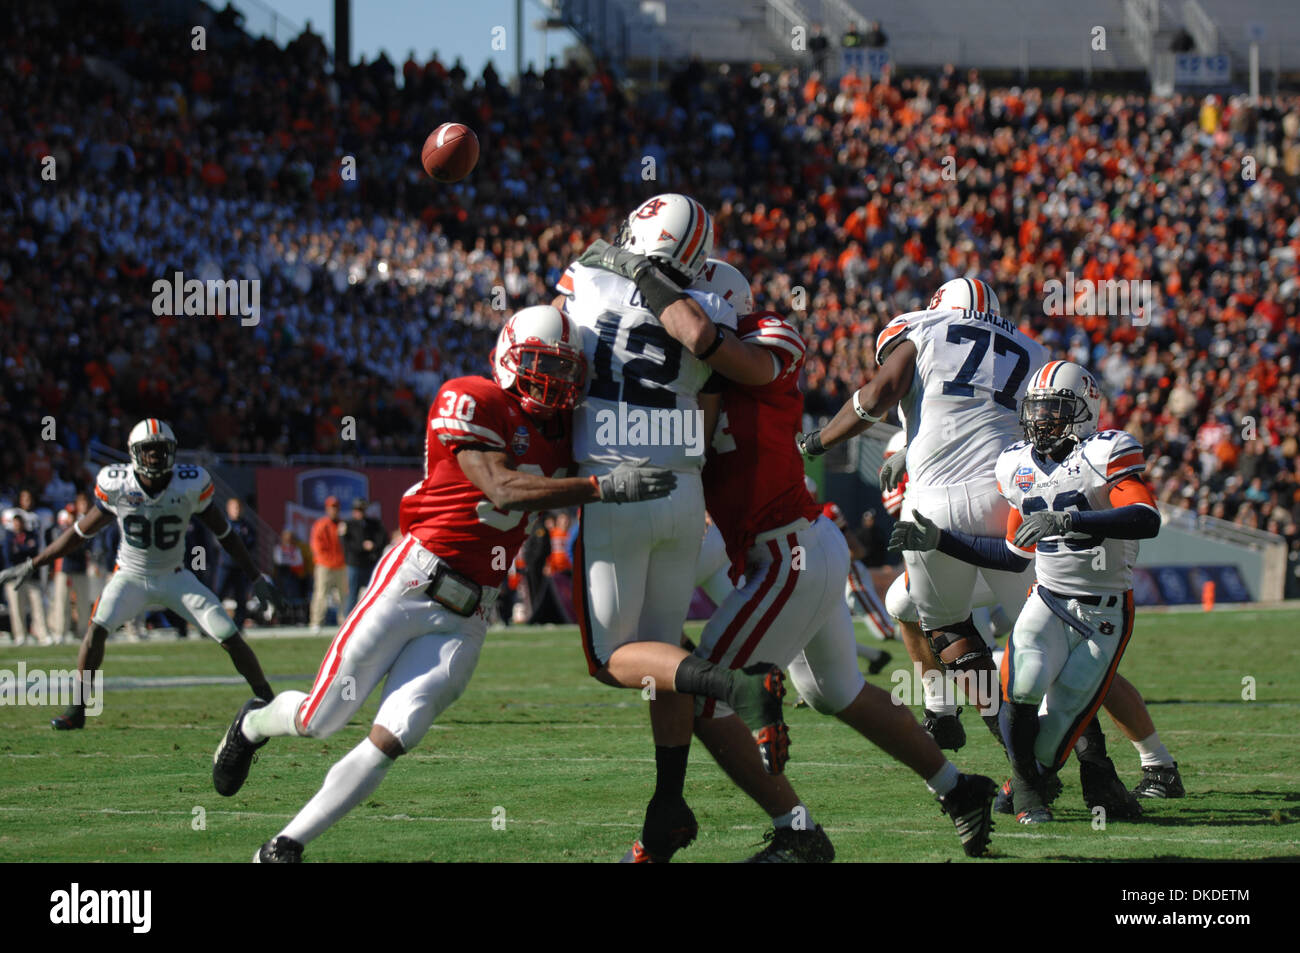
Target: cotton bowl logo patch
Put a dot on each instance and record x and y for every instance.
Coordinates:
(1024, 478)
(519, 442)
(134, 498)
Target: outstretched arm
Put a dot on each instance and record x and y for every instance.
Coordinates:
(872, 402)
(511, 489)
(74, 537)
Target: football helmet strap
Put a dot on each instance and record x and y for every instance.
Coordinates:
(1061, 405)
(673, 229)
(537, 357)
(151, 434)
(727, 283)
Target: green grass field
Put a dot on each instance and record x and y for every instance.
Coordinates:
(571, 763)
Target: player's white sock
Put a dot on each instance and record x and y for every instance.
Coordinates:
(798, 812)
(348, 783)
(945, 780)
(869, 652)
(274, 720)
(940, 696)
(1153, 751)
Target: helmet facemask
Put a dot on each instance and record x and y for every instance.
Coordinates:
(547, 377)
(1049, 420)
(153, 459)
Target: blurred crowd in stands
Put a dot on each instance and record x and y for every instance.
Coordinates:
(129, 157)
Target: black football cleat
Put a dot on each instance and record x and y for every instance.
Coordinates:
(1035, 815)
(878, 666)
(1103, 788)
(1160, 781)
(279, 850)
(785, 845)
(970, 805)
(72, 719)
(234, 756)
(1005, 802)
(946, 730)
(666, 832)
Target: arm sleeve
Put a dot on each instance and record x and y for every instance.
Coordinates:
(468, 411)
(987, 552)
(1134, 516)
(102, 499)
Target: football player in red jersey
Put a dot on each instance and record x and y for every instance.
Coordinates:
(496, 450)
(791, 608)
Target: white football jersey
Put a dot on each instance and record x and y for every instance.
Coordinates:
(153, 528)
(972, 370)
(1075, 563)
(642, 391)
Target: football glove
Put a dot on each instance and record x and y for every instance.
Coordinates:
(1041, 525)
(633, 481)
(264, 589)
(892, 470)
(601, 254)
(810, 443)
(17, 574)
(921, 535)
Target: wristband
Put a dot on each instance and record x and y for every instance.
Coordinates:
(717, 343)
(862, 411)
(225, 532)
(77, 529)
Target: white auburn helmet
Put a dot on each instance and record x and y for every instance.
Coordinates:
(966, 294)
(1062, 404)
(727, 283)
(539, 356)
(672, 228)
(148, 437)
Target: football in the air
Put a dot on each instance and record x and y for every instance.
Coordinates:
(450, 152)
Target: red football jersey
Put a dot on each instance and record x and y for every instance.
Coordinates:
(450, 515)
(754, 478)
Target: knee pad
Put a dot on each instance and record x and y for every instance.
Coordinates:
(960, 646)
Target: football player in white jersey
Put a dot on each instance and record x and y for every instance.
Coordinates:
(651, 348)
(958, 370)
(1079, 507)
(153, 500)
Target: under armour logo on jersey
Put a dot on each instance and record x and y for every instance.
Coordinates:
(650, 209)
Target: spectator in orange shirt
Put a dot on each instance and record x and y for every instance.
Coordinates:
(330, 572)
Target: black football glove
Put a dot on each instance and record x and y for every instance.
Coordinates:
(17, 574)
(810, 443)
(601, 254)
(892, 470)
(921, 536)
(1041, 525)
(632, 482)
(264, 589)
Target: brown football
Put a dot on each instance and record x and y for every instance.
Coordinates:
(450, 152)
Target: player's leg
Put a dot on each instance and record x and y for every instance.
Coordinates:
(1160, 777)
(429, 673)
(187, 597)
(1039, 648)
(825, 674)
(938, 686)
(17, 623)
(319, 597)
(612, 558)
(124, 597)
(394, 610)
(1076, 695)
(772, 616)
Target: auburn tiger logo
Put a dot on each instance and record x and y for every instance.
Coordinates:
(651, 208)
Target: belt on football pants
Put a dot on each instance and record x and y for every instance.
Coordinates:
(449, 588)
(1103, 601)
